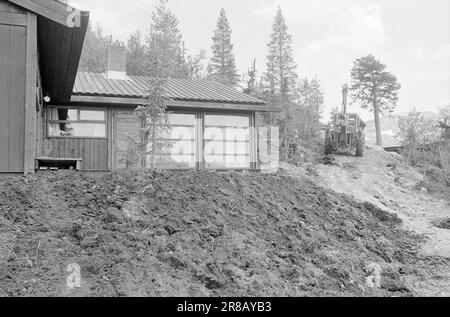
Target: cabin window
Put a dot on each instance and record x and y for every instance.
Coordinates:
(176, 144)
(227, 141)
(73, 122)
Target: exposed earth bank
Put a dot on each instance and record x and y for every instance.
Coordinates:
(384, 180)
(200, 234)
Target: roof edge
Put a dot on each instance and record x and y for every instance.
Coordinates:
(54, 10)
(193, 104)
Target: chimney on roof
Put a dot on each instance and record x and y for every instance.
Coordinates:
(116, 62)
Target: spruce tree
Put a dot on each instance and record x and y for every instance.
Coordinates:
(280, 77)
(281, 69)
(223, 66)
(93, 56)
(310, 101)
(251, 80)
(165, 43)
(136, 55)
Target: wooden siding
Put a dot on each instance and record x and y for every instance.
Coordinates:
(94, 152)
(6, 6)
(13, 41)
(30, 94)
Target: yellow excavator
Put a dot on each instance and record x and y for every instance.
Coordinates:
(345, 133)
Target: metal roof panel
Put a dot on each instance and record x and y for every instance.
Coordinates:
(96, 84)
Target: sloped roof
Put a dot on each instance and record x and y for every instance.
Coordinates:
(56, 10)
(95, 84)
(59, 43)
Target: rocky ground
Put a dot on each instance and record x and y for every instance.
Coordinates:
(201, 234)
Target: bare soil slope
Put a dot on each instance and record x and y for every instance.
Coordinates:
(384, 180)
(197, 234)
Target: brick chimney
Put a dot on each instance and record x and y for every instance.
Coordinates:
(116, 62)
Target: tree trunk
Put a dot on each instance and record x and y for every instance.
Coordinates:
(376, 113)
(152, 164)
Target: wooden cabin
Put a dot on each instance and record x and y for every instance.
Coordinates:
(51, 115)
(40, 48)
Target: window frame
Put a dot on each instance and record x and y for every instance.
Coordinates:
(78, 109)
(224, 155)
(193, 140)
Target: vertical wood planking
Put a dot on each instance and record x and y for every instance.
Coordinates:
(4, 97)
(17, 99)
(253, 143)
(12, 89)
(94, 152)
(9, 7)
(30, 94)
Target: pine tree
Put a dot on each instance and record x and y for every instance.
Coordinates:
(374, 88)
(136, 55)
(197, 69)
(280, 76)
(153, 112)
(223, 65)
(251, 80)
(93, 56)
(315, 106)
(165, 43)
(281, 68)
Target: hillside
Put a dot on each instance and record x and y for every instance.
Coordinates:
(384, 180)
(199, 234)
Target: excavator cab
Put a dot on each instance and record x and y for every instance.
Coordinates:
(345, 132)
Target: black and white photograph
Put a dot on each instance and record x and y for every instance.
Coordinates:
(223, 155)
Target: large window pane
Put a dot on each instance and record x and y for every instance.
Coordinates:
(175, 161)
(177, 133)
(227, 141)
(181, 119)
(77, 130)
(62, 114)
(226, 134)
(76, 122)
(220, 161)
(90, 115)
(176, 142)
(177, 147)
(227, 121)
(230, 148)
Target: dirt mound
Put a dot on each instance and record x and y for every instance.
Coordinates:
(195, 234)
(384, 180)
(381, 214)
(443, 224)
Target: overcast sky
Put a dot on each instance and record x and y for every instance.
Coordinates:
(411, 36)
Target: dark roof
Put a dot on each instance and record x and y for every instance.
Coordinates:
(95, 84)
(59, 44)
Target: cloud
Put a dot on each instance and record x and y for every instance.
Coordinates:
(353, 32)
(359, 29)
(435, 75)
(118, 17)
(416, 54)
(443, 54)
(356, 29)
(444, 102)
